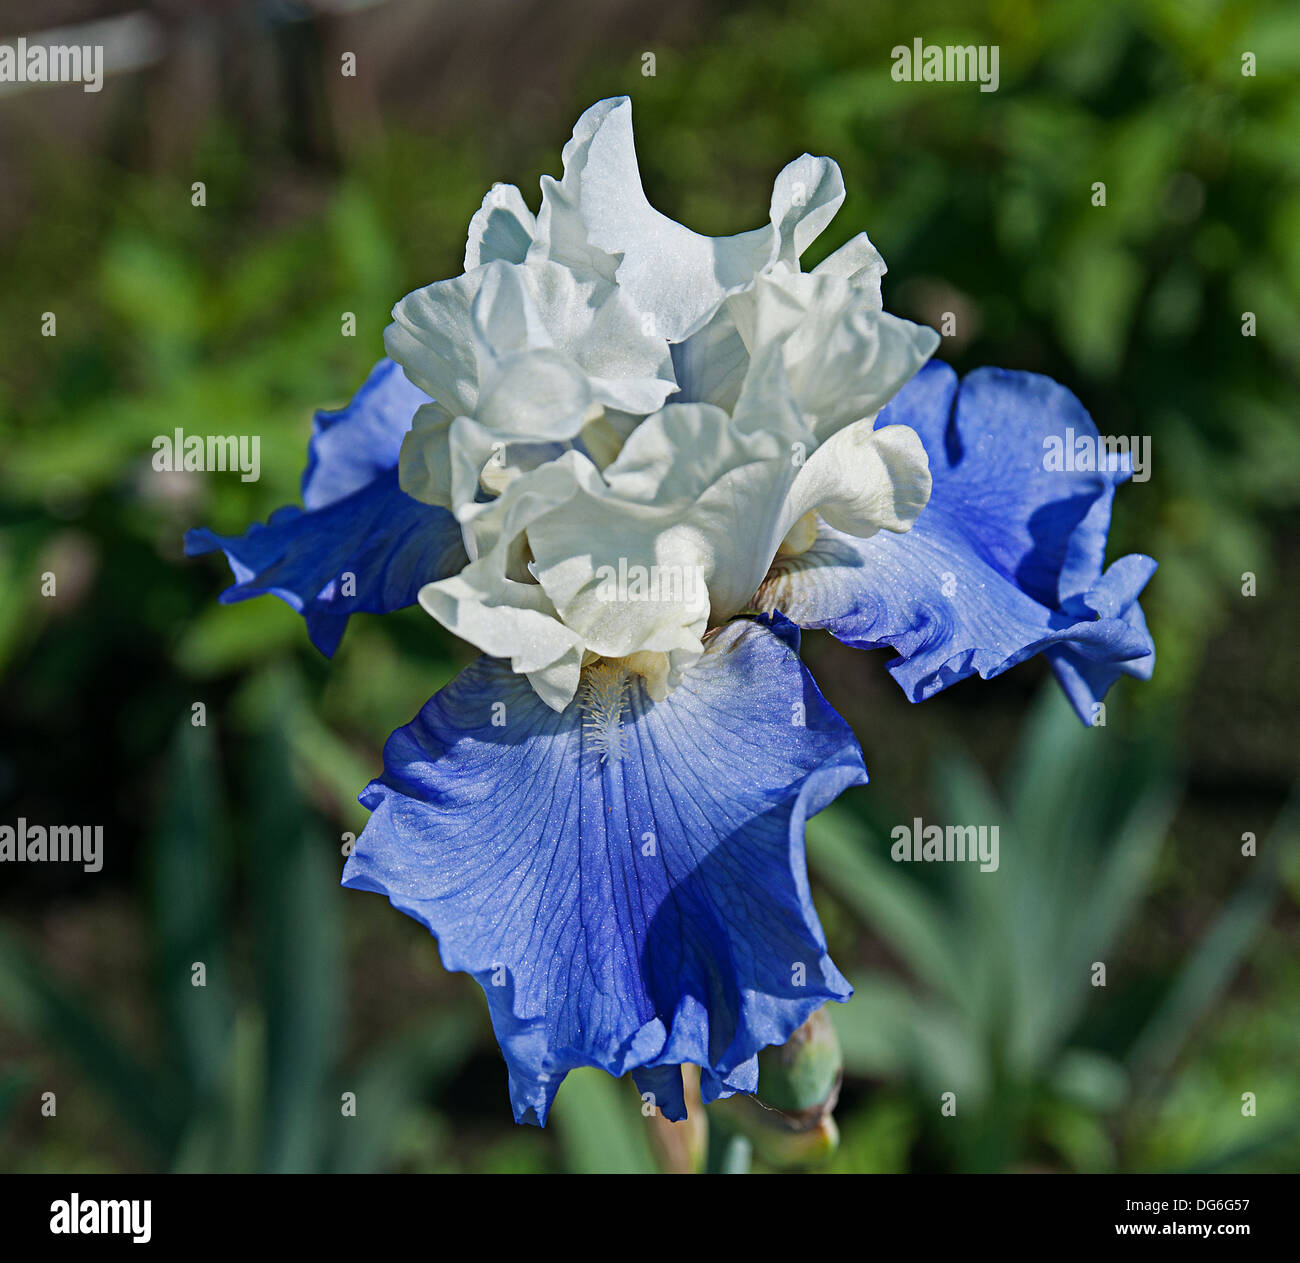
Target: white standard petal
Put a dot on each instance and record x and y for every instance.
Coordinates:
(532, 355)
(805, 197)
(448, 336)
(597, 217)
(844, 358)
(502, 228)
(424, 463)
(495, 604)
(676, 538)
(431, 337)
(712, 362)
(597, 325)
(857, 260)
(510, 620)
(505, 316)
(863, 480)
(537, 395)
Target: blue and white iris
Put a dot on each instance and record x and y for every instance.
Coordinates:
(628, 462)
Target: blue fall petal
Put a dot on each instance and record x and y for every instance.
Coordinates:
(630, 893)
(352, 447)
(1004, 562)
(1086, 680)
(357, 522)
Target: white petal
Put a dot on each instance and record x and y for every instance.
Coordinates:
(805, 197)
(530, 355)
(595, 324)
(510, 620)
(844, 358)
(692, 510)
(505, 316)
(538, 395)
(447, 336)
(492, 603)
(498, 527)
(710, 365)
(424, 463)
(857, 260)
(597, 217)
(502, 228)
(431, 337)
(863, 480)
(562, 234)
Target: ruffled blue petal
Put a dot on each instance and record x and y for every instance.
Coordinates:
(362, 545)
(352, 447)
(744, 1078)
(634, 911)
(662, 1087)
(1004, 562)
(1115, 596)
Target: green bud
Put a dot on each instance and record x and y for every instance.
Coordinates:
(801, 1078)
(789, 1122)
(798, 1148)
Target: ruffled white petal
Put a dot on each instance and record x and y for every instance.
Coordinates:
(863, 480)
(857, 260)
(844, 358)
(632, 420)
(495, 602)
(528, 355)
(597, 218)
(502, 228)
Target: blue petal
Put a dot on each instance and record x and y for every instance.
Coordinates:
(634, 912)
(1004, 562)
(357, 522)
(352, 447)
(1087, 680)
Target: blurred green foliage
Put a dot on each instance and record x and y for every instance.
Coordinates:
(223, 843)
(1002, 1003)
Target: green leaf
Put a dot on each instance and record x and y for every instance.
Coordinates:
(839, 850)
(35, 1000)
(187, 889)
(392, 1083)
(600, 1127)
(293, 871)
(1211, 967)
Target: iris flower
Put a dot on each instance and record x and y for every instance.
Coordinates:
(628, 463)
